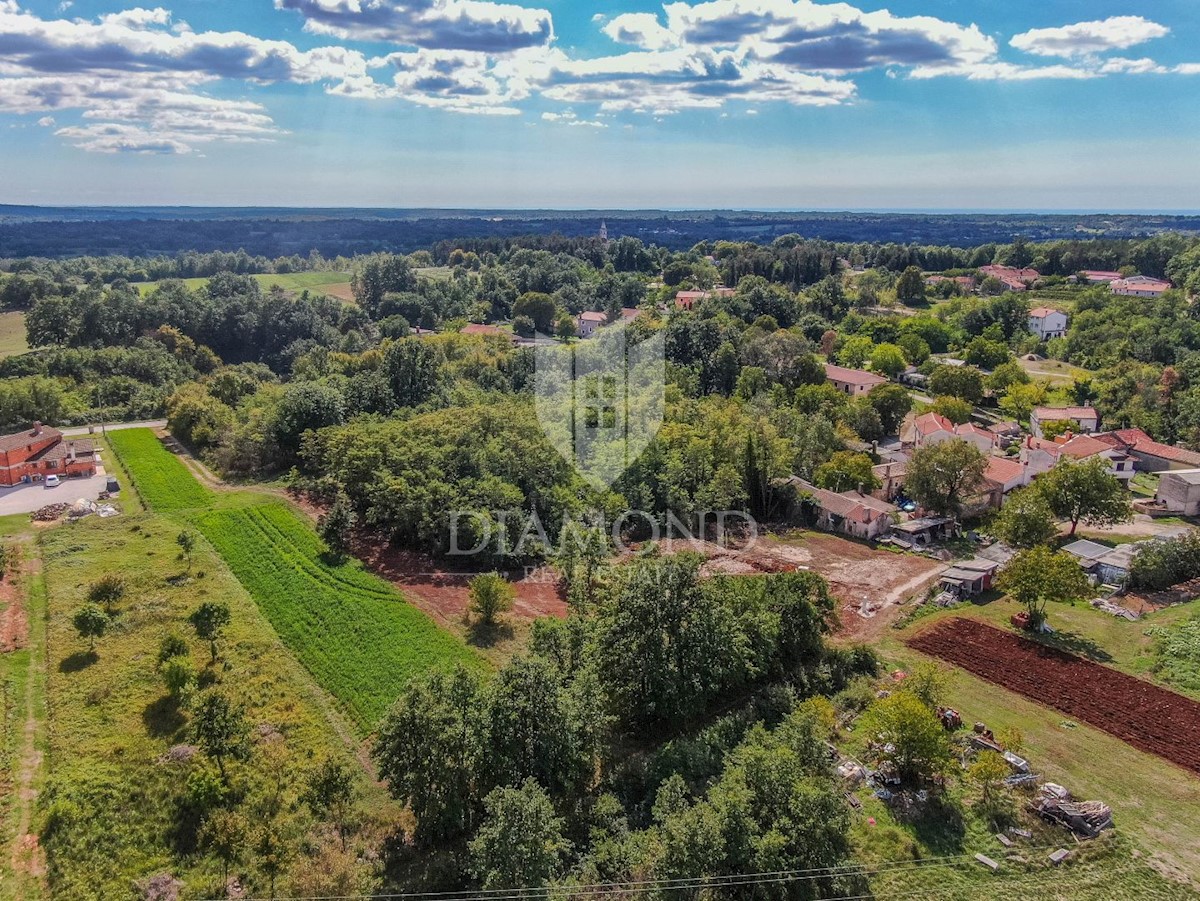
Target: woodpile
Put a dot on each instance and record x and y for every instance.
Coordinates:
(51, 512)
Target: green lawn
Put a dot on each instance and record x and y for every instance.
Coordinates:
(12, 334)
(294, 281)
(354, 632)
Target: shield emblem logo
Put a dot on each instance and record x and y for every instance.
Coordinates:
(600, 400)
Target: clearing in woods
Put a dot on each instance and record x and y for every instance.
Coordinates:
(357, 635)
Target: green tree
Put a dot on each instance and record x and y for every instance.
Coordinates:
(955, 409)
(1038, 575)
(959, 381)
(426, 751)
(1026, 519)
(987, 775)
(520, 843)
(336, 525)
(1019, 400)
(220, 729)
(541, 308)
(106, 591)
(187, 544)
(910, 287)
(855, 351)
(1055, 428)
(941, 476)
(413, 369)
(929, 683)
(888, 359)
(1085, 492)
(847, 471)
(91, 622)
(491, 595)
(330, 792)
(209, 620)
(564, 327)
(1005, 376)
(892, 403)
(225, 833)
(909, 735)
(179, 676)
(986, 354)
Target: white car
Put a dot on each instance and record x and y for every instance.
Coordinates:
(53, 481)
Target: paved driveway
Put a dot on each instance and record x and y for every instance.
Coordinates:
(29, 498)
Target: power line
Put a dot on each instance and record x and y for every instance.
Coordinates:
(641, 887)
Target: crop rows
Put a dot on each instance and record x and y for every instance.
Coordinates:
(164, 483)
(351, 630)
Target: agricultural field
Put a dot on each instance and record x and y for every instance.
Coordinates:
(1150, 718)
(1156, 806)
(357, 635)
(12, 334)
(336, 284)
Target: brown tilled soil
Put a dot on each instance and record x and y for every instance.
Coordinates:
(442, 592)
(1150, 718)
(14, 624)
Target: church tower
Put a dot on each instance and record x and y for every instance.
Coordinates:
(603, 231)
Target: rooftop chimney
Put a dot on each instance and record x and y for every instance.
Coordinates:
(71, 452)
(37, 428)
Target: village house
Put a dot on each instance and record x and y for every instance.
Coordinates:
(686, 300)
(588, 322)
(1083, 419)
(933, 428)
(852, 382)
(1140, 286)
(1006, 433)
(1007, 473)
(42, 451)
(1047, 323)
(1011, 279)
(1099, 276)
(891, 478)
(1150, 455)
(967, 578)
(1179, 492)
(849, 513)
(1039, 455)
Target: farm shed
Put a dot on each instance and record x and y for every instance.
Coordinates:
(1110, 565)
(970, 577)
(925, 531)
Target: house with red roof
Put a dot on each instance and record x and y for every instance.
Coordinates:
(1150, 455)
(1082, 419)
(933, 428)
(588, 322)
(1140, 286)
(41, 451)
(685, 300)
(1047, 323)
(852, 382)
(1040, 455)
(1099, 276)
(849, 513)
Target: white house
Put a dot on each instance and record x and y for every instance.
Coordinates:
(1082, 419)
(588, 323)
(854, 382)
(1140, 286)
(1047, 323)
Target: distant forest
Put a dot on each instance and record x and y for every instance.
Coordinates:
(152, 231)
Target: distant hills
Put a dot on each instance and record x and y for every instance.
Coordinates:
(279, 231)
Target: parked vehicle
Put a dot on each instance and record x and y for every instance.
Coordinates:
(52, 481)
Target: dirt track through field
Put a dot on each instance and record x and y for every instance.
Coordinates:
(1150, 718)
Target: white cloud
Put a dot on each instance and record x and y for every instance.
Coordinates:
(641, 30)
(46, 121)
(432, 24)
(1119, 65)
(1187, 69)
(1090, 38)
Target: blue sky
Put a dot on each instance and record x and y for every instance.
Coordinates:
(916, 104)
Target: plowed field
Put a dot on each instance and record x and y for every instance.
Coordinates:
(1150, 718)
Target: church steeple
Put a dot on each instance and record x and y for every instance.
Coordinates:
(603, 231)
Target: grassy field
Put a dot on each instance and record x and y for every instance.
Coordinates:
(294, 281)
(1156, 805)
(113, 810)
(354, 632)
(12, 334)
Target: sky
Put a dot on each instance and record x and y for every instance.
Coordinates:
(746, 104)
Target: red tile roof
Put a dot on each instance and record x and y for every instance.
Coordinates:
(1042, 312)
(852, 376)
(928, 423)
(24, 439)
(1003, 470)
(1083, 446)
(1045, 414)
(1137, 441)
(590, 316)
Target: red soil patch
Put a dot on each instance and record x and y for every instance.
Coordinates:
(442, 591)
(14, 624)
(1150, 718)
